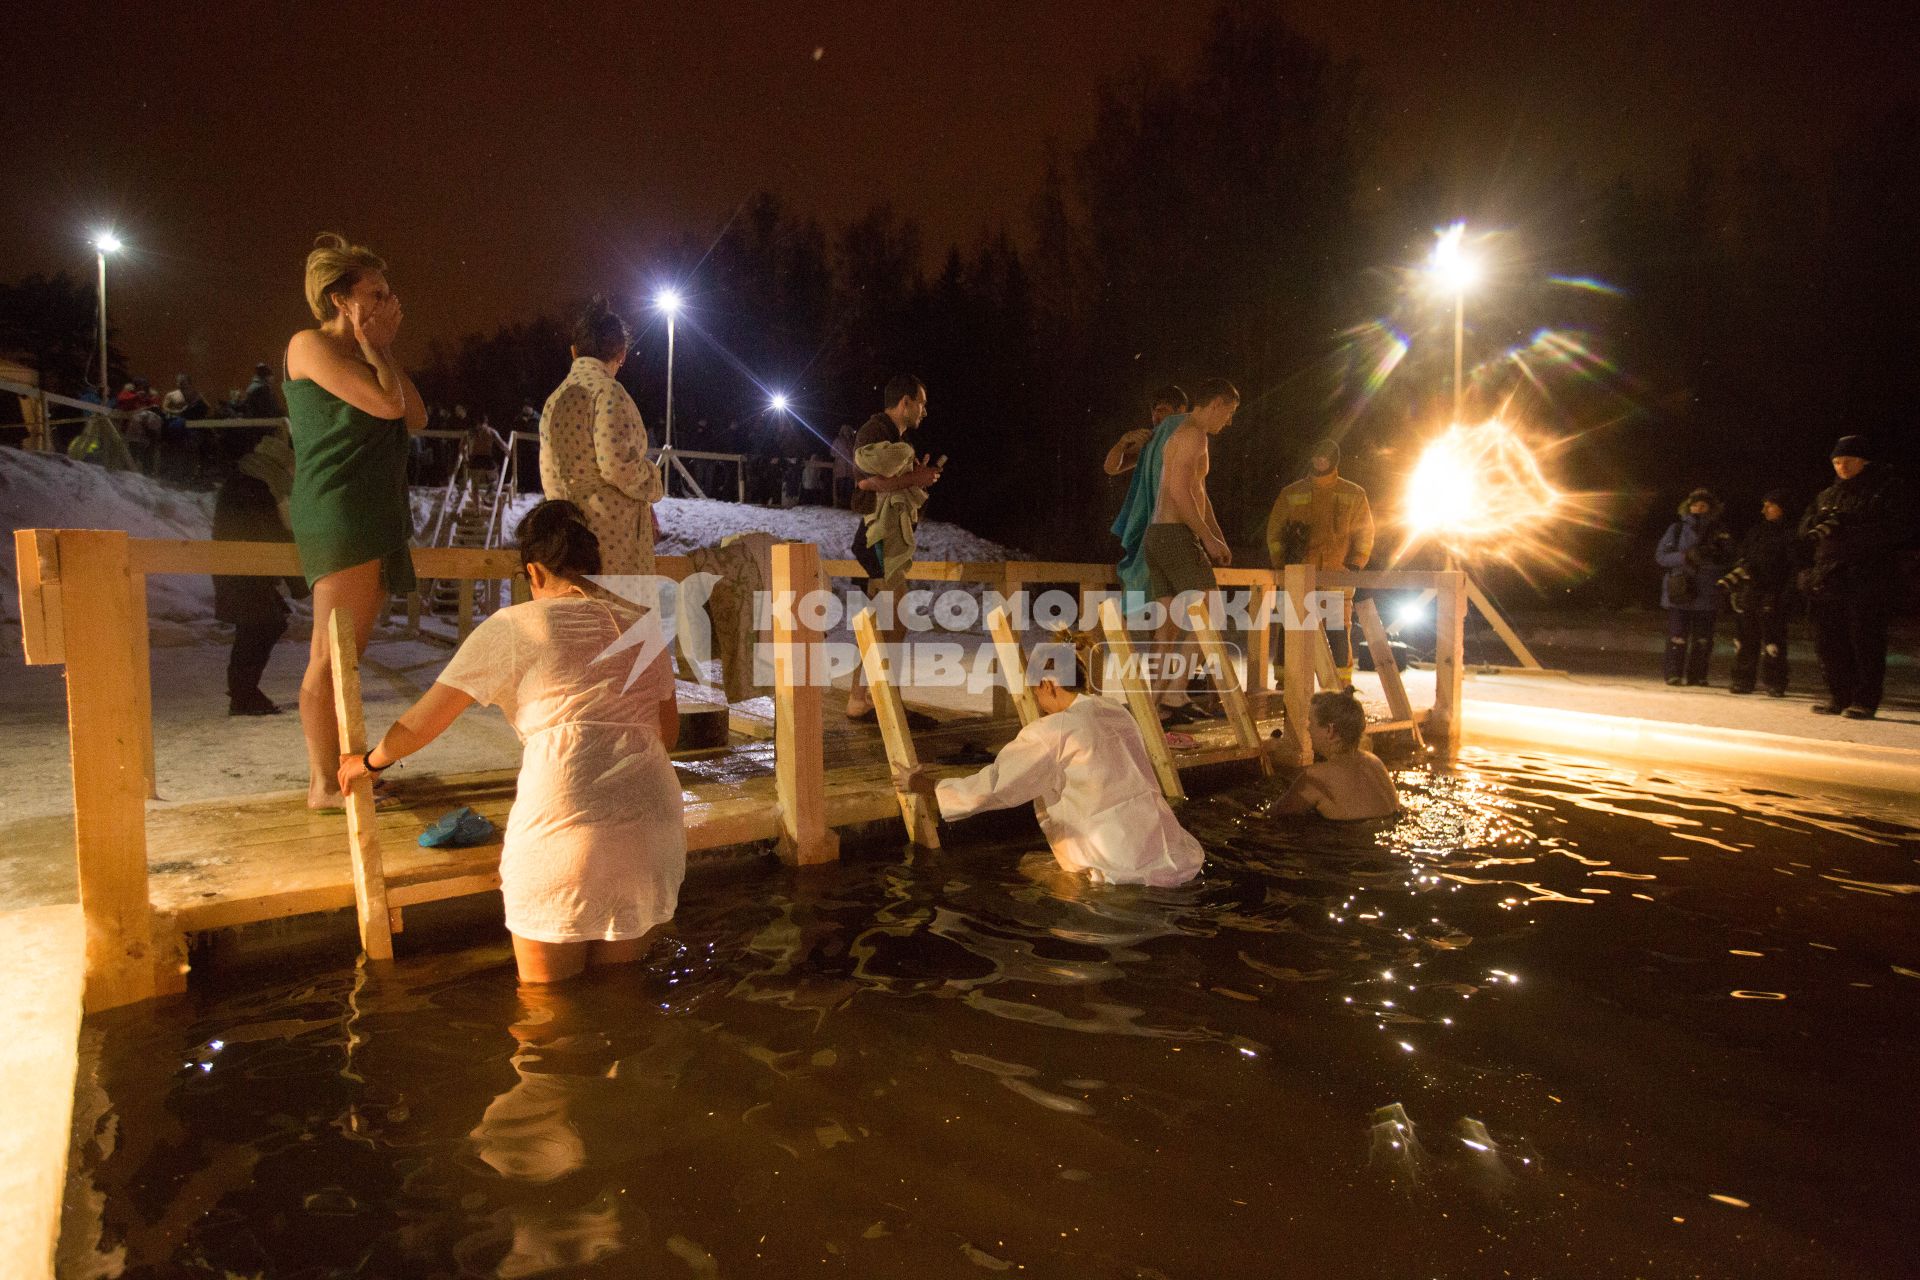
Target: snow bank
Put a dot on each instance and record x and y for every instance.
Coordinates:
(49, 491)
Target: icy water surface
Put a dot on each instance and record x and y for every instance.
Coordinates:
(1557, 1020)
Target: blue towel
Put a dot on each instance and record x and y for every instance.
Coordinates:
(461, 829)
(1136, 513)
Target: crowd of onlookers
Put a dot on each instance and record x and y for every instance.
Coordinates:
(153, 434)
(1842, 557)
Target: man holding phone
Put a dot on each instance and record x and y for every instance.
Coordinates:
(883, 546)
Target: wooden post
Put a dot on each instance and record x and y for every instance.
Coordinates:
(1500, 626)
(799, 744)
(1013, 669)
(1384, 666)
(1297, 654)
(363, 836)
(919, 812)
(1227, 684)
(1324, 670)
(138, 635)
(109, 763)
(1260, 642)
(464, 590)
(1140, 702)
(36, 558)
(413, 613)
(1004, 699)
(1449, 660)
(519, 590)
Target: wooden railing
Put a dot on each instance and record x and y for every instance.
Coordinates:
(83, 603)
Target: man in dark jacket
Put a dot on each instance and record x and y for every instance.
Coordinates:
(1856, 527)
(1759, 587)
(251, 507)
(1694, 551)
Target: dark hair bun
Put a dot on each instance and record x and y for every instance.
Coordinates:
(599, 331)
(555, 534)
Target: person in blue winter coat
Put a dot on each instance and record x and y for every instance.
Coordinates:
(1695, 550)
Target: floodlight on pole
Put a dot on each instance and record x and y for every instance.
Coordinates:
(667, 303)
(104, 243)
(1455, 269)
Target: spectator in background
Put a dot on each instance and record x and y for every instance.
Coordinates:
(144, 429)
(1161, 405)
(260, 400)
(180, 406)
(593, 446)
(1759, 591)
(843, 469)
(1324, 520)
(1858, 527)
(1694, 552)
(252, 507)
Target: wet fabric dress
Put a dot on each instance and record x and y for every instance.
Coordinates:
(596, 844)
(349, 502)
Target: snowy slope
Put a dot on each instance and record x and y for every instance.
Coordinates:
(48, 491)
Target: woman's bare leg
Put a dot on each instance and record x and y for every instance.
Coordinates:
(358, 591)
(541, 962)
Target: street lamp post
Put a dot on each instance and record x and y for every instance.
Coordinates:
(1455, 270)
(667, 301)
(103, 244)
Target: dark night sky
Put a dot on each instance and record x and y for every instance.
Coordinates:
(507, 158)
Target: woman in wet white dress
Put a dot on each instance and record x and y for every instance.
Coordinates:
(596, 844)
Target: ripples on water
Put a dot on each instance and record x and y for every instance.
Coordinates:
(1560, 1018)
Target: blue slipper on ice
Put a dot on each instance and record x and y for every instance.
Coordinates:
(460, 829)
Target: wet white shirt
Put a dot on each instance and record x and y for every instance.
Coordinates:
(1104, 812)
(596, 845)
(593, 451)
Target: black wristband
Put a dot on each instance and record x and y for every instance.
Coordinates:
(366, 758)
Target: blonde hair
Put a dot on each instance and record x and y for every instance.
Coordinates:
(335, 266)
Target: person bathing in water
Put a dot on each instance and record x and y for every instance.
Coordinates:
(1347, 782)
(1084, 762)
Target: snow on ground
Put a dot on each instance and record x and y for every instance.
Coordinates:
(50, 491)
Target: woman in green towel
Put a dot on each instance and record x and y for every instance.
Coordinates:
(350, 408)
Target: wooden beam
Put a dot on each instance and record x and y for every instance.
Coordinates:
(1140, 702)
(109, 766)
(363, 833)
(140, 639)
(1013, 665)
(1324, 670)
(1260, 641)
(921, 815)
(1002, 704)
(1398, 708)
(1297, 661)
(36, 557)
(1449, 661)
(1013, 670)
(799, 745)
(1226, 682)
(1506, 633)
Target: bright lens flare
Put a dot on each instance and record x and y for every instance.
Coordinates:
(1453, 267)
(1477, 486)
(107, 242)
(667, 300)
(778, 403)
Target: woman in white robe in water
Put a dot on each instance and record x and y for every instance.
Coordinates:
(596, 844)
(1084, 762)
